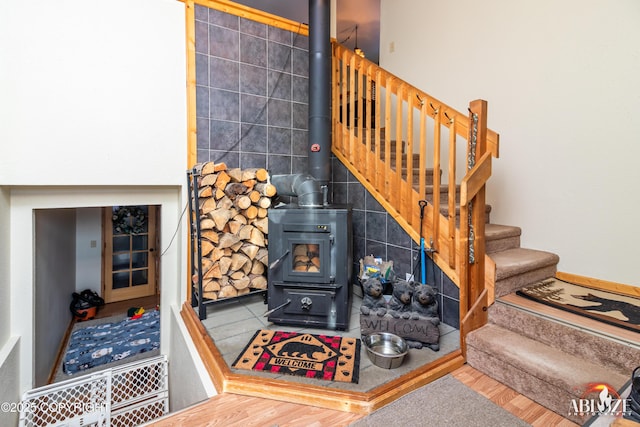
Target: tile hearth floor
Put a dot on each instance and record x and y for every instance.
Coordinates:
(231, 325)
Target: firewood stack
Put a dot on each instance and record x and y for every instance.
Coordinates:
(233, 207)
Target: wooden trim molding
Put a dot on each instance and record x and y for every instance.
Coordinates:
(227, 381)
(603, 285)
(247, 12)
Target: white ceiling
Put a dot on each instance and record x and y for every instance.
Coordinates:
(349, 13)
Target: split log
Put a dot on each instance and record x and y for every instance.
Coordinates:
(255, 173)
(227, 292)
(208, 180)
(246, 268)
(266, 189)
(238, 260)
(206, 247)
(235, 174)
(241, 283)
(244, 291)
(258, 281)
(224, 203)
(236, 275)
(220, 216)
(245, 232)
(216, 254)
(207, 224)
(213, 272)
(227, 240)
(225, 265)
(205, 168)
(222, 181)
(210, 235)
(219, 194)
(240, 218)
(205, 191)
(264, 202)
(261, 224)
(257, 267)
(234, 189)
(257, 237)
(250, 250)
(263, 256)
(262, 213)
(243, 202)
(234, 226)
(207, 205)
(213, 295)
(236, 246)
(211, 285)
(251, 212)
(255, 197)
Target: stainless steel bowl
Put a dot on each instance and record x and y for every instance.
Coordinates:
(385, 350)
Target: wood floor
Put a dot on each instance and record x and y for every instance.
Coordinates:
(230, 410)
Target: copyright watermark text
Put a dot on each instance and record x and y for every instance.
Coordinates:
(52, 407)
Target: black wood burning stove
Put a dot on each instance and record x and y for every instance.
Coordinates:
(310, 252)
(310, 243)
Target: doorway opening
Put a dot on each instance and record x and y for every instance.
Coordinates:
(89, 248)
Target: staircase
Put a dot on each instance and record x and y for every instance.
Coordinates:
(546, 355)
(541, 352)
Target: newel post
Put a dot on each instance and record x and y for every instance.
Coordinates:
(473, 297)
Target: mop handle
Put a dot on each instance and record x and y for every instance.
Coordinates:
(423, 266)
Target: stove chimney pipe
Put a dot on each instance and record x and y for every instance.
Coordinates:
(319, 92)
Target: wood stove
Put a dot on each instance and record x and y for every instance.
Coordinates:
(310, 253)
(310, 243)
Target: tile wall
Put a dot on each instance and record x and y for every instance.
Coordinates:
(252, 107)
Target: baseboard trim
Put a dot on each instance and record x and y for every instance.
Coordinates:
(604, 285)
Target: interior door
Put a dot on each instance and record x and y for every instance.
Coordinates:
(130, 252)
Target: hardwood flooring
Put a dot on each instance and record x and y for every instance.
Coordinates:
(231, 410)
(121, 307)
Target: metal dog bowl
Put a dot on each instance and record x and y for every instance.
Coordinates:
(385, 350)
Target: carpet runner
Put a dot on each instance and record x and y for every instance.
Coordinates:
(608, 307)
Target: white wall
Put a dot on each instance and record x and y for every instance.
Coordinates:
(94, 114)
(88, 257)
(55, 282)
(562, 86)
(93, 93)
(5, 252)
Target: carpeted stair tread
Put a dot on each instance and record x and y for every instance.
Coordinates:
(542, 373)
(520, 260)
(519, 267)
(501, 237)
(556, 328)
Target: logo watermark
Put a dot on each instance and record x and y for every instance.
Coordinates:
(599, 399)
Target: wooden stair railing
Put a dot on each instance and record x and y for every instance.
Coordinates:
(398, 141)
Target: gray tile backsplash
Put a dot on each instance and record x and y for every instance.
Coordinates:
(252, 111)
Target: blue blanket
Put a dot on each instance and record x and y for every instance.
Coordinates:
(99, 344)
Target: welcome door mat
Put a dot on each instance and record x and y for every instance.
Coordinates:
(331, 358)
(608, 307)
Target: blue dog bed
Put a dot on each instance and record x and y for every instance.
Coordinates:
(108, 342)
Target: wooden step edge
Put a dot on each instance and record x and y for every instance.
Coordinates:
(601, 329)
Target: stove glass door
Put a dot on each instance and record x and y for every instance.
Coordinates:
(309, 258)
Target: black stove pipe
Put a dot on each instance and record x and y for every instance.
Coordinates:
(312, 189)
(320, 91)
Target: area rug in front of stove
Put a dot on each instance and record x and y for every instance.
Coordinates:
(608, 307)
(331, 358)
